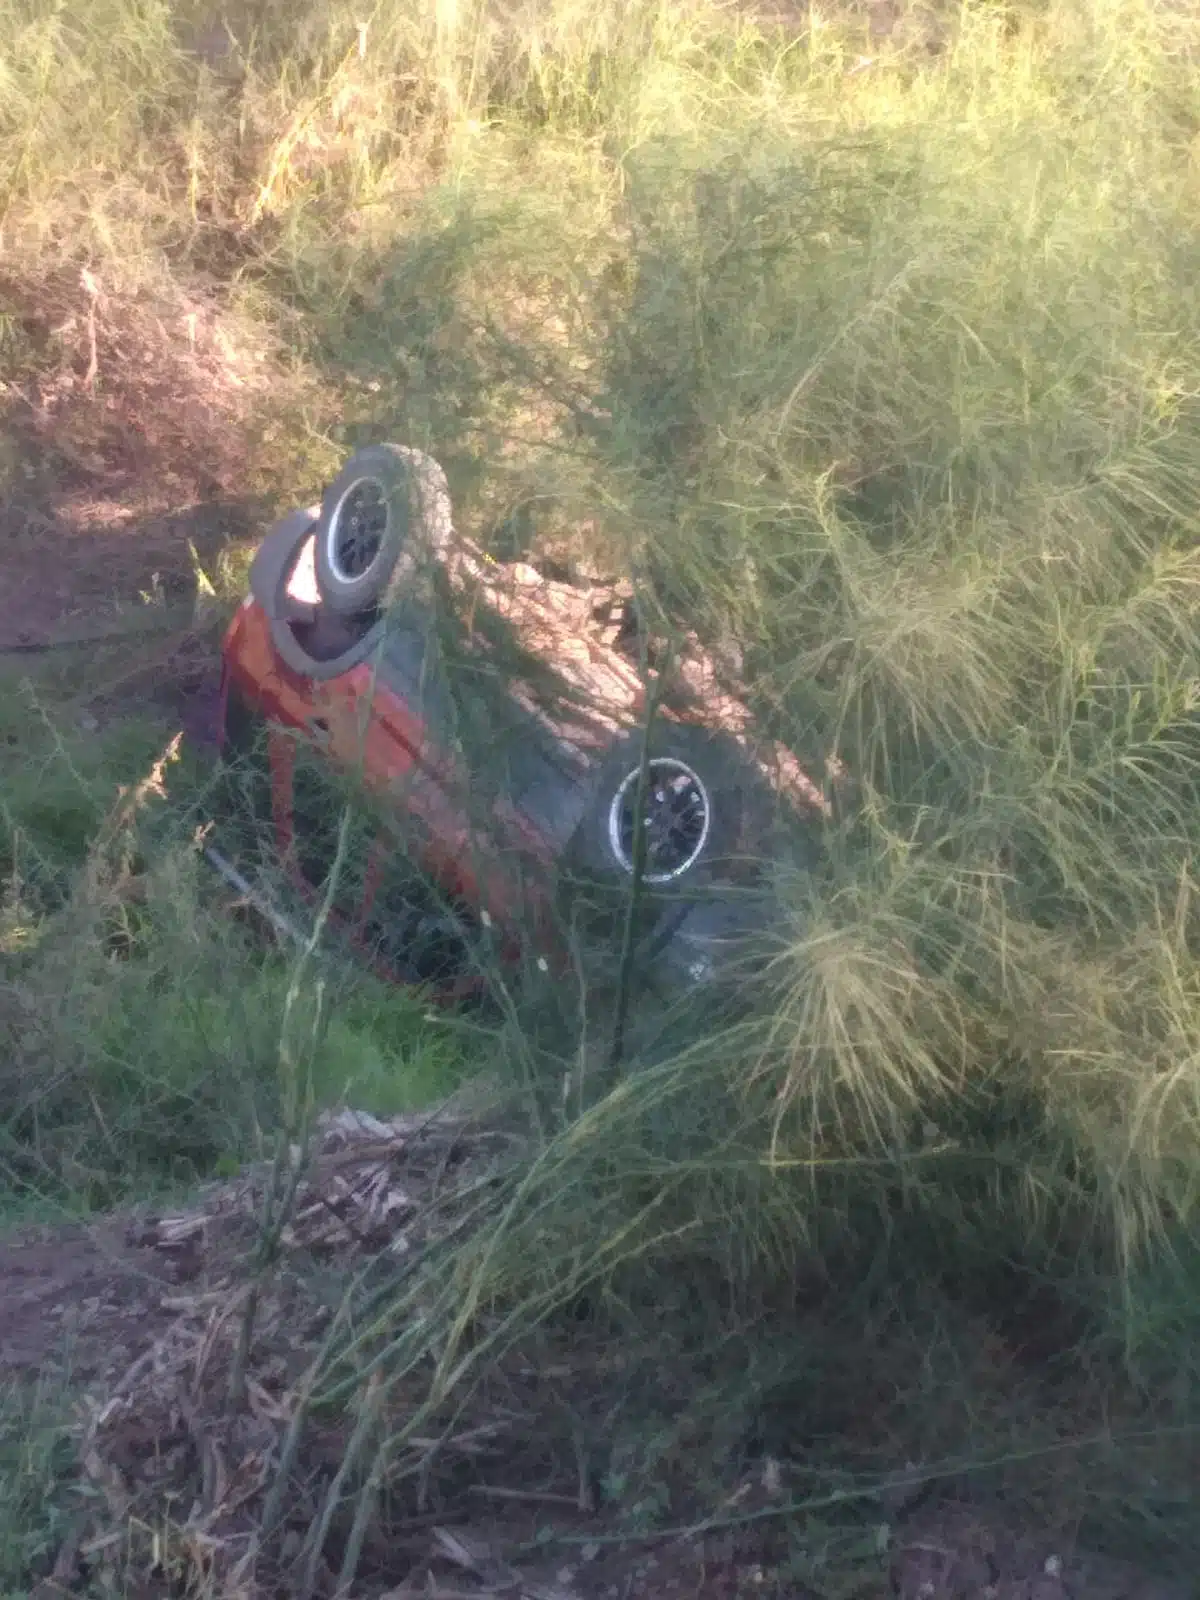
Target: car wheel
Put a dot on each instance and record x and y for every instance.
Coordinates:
(705, 813)
(383, 518)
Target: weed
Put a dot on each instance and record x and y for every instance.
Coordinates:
(35, 1465)
(882, 363)
(132, 1061)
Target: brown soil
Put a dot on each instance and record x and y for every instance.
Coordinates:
(80, 1295)
(131, 427)
(66, 587)
(145, 1313)
(957, 1552)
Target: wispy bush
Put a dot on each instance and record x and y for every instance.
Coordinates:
(889, 374)
(884, 364)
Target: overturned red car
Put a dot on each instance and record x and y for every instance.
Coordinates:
(492, 722)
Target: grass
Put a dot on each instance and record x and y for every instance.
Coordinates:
(132, 1062)
(35, 1451)
(884, 363)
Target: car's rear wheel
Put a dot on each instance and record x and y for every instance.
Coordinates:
(384, 518)
(704, 812)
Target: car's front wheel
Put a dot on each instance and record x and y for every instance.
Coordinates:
(383, 518)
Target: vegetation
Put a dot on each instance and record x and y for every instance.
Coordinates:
(878, 355)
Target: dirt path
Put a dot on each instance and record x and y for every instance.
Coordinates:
(92, 1300)
(81, 1296)
(66, 585)
(131, 431)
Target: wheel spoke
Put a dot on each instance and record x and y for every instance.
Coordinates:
(675, 820)
(362, 520)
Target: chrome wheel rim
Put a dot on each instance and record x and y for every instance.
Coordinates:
(358, 528)
(677, 819)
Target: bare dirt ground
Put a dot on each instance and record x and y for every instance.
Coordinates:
(80, 1294)
(130, 430)
(136, 437)
(146, 1310)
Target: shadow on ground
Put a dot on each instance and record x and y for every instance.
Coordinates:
(141, 435)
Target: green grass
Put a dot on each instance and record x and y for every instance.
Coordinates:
(142, 1024)
(884, 363)
(35, 1463)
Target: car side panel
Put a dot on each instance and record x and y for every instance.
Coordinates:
(370, 731)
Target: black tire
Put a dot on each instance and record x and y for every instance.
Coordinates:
(708, 814)
(289, 618)
(273, 562)
(383, 518)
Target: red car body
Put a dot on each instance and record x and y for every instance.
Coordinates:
(353, 688)
(391, 749)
